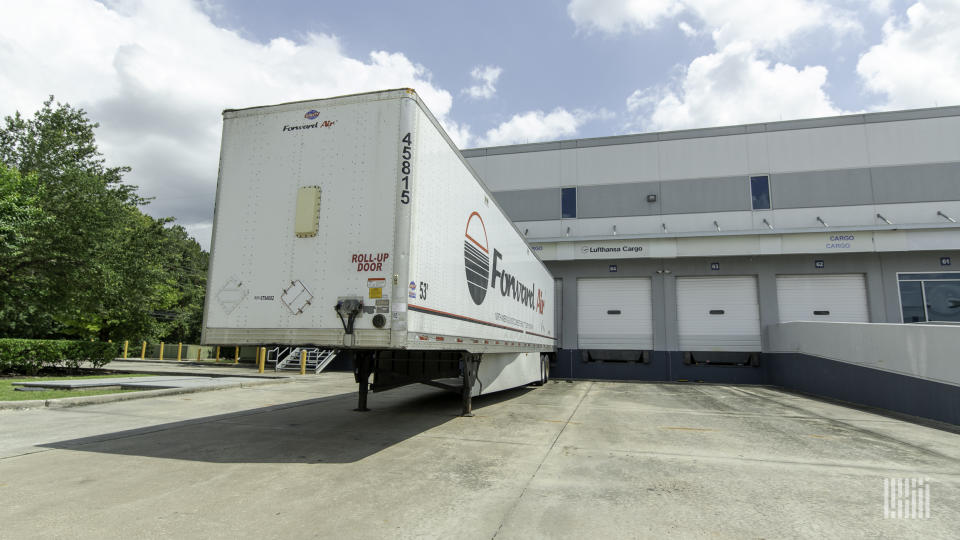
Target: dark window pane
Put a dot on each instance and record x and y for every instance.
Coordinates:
(930, 275)
(911, 301)
(760, 192)
(943, 300)
(568, 202)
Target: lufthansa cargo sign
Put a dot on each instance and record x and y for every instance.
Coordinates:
(611, 250)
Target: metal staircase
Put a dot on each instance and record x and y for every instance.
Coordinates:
(288, 358)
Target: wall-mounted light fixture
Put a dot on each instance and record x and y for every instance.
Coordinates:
(946, 217)
(664, 227)
(717, 225)
(822, 222)
(568, 231)
(525, 231)
(652, 197)
(614, 230)
(885, 220)
(767, 223)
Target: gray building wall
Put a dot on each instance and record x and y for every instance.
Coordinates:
(809, 189)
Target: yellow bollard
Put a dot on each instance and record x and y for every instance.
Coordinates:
(218, 354)
(236, 355)
(263, 359)
(179, 350)
(126, 345)
(198, 354)
(161, 350)
(303, 362)
(143, 351)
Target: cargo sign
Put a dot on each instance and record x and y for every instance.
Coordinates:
(827, 242)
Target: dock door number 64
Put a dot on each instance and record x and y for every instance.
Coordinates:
(407, 155)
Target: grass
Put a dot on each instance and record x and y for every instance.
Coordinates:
(7, 393)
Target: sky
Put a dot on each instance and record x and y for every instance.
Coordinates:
(156, 75)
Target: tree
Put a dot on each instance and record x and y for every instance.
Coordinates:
(83, 260)
(20, 218)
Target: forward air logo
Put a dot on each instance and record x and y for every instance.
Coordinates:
(476, 258)
(316, 125)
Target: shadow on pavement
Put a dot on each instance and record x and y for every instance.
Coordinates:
(324, 430)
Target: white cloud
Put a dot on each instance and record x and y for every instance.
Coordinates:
(763, 24)
(918, 62)
(487, 77)
(770, 26)
(687, 30)
(730, 87)
(880, 6)
(739, 82)
(615, 16)
(156, 75)
(534, 126)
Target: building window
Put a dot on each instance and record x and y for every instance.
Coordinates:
(760, 192)
(930, 297)
(568, 202)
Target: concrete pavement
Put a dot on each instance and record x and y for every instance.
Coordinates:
(567, 460)
(175, 378)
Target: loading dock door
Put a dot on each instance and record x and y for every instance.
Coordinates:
(718, 313)
(838, 297)
(614, 314)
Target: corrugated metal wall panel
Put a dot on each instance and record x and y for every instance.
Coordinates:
(598, 328)
(837, 297)
(718, 313)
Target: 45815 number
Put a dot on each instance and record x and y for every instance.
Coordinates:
(406, 155)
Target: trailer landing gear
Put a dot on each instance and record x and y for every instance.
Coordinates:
(363, 361)
(470, 364)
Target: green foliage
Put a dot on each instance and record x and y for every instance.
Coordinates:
(77, 256)
(29, 356)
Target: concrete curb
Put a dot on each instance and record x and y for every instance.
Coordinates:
(241, 365)
(62, 403)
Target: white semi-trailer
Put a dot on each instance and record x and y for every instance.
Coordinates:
(353, 223)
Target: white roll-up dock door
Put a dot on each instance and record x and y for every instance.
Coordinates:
(614, 313)
(823, 297)
(718, 313)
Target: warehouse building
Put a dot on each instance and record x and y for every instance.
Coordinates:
(680, 255)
